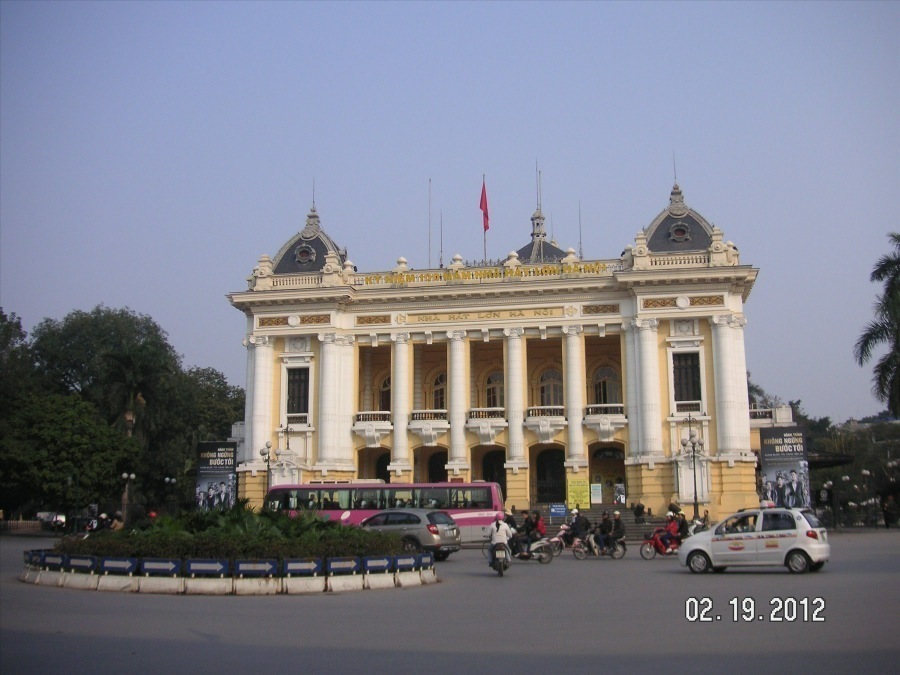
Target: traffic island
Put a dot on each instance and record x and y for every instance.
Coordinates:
(221, 577)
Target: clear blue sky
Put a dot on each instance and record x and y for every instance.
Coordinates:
(151, 152)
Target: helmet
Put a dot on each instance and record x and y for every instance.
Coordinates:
(669, 514)
(574, 512)
(616, 513)
(103, 516)
(498, 516)
(606, 513)
(152, 514)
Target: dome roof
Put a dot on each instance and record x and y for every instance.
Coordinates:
(305, 252)
(678, 228)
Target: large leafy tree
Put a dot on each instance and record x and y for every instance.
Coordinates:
(58, 452)
(119, 367)
(884, 329)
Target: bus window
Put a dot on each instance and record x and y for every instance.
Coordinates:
(365, 499)
(434, 498)
(400, 498)
(335, 499)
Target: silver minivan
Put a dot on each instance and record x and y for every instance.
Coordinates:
(420, 529)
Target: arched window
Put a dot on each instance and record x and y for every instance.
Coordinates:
(607, 387)
(384, 395)
(439, 392)
(494, 390)
(551, 387)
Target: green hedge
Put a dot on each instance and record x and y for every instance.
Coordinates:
(238, 533)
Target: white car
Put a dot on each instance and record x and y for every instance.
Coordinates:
(761, 536)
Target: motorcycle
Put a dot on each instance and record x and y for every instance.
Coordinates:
(501, 559)
(653, 545)
(564, 539)
(539, 550)
(582, 550)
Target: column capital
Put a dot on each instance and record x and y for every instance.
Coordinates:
(456, 335)
(400, 338)
(573, 331)
(514, 333)
(729, 320)
(642, 324)
(260, 340)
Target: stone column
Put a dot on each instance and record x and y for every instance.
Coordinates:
(346, 393)
(368, 399)
(650, 409)
(247, 445)
(575, 388)
(632, 395)
(732, 404)
(515, 395)
(329, 407)
(261, 421)
(457, 381)
(400, 403)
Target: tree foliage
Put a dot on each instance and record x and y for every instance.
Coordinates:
(884, 330)
(66, 398)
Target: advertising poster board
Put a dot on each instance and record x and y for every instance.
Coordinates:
(578, 491)
(784, 467)
(216, 475)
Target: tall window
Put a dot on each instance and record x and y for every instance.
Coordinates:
(607, 387)
(297, 391)
(495, 390)
(686, 376)
(551, 388)
(439, 393)
(384, 395)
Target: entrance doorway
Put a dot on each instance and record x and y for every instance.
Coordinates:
(381, 467)
(437, 467)
(551, 476)
(492, 468)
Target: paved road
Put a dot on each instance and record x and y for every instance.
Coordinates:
(576, 616)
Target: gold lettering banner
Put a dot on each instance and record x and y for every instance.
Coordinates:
(546, 312)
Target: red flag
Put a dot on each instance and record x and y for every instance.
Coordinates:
(484, 206)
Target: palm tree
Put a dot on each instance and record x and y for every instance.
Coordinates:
(885, 329)
(134, 374)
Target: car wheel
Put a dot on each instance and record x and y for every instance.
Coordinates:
(648, 551)
(815, 567)
(441, 555)
(797, 562)
(698, 562)
(410, 545)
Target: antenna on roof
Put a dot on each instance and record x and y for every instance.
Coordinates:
(674, 168)
(537, 177)
(314, 192)
(441, 263)
(580, 249)
(429, 223)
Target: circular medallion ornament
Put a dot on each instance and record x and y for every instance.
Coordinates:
(682, 302)
(304, 254)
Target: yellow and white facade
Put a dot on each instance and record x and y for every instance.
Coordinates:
(542, 372)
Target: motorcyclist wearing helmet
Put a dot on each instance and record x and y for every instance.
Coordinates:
(670, 532)
(500, 534)
(604, 528)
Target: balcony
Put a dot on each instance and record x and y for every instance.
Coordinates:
(487, 423)
(545, 421)
(428, 425)
(372, 426)
(605, 419)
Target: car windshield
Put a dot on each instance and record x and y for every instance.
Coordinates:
(811, 518)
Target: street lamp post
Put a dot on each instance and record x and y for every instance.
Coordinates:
(126, 496)
(170, 496)
(268, 454)
(694, 440)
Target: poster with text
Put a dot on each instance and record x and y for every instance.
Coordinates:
(216, 475)
(784, 467)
